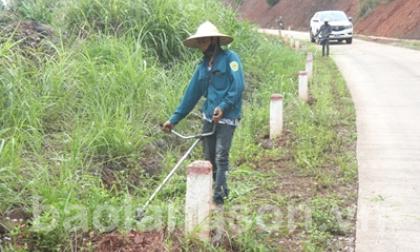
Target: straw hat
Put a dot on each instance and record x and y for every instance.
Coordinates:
(207, 29)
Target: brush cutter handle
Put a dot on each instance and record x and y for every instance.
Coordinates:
(199, 137)
(140, 212)
(195, 136)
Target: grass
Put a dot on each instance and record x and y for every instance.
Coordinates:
(366, 7)
(409, 44)
(81, 146)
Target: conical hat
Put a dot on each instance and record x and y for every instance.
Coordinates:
(207, 29)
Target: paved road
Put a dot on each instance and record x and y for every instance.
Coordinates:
(385, 85)
(384, 82)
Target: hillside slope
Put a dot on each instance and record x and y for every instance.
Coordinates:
(397, 18)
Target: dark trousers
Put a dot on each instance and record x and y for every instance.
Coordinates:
(216, 150)
(325, 46)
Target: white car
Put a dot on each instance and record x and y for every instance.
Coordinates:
(342, 26)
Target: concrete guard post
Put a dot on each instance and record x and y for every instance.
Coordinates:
(198, 200)
(292, 42)
(304, 47)
(297, 45)
(276, 115)
(303, 86)
(310, 56)
(309, 67)
(280, 33)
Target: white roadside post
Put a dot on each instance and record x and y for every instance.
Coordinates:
(292, 42)
(310, 56)
(198, 200)
(309, 67)
(304, 47)
(303, 86)
(297, 45)
(280, 33)
(276, 115)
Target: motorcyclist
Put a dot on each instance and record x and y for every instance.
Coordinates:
(280, 22)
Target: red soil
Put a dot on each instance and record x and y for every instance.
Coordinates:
(395, 18)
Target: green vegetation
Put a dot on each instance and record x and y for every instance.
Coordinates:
(272, 2)
(366, 7)
(81, 147)
(408, 44)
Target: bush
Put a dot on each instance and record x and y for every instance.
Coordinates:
(272, 2)
(366, 7)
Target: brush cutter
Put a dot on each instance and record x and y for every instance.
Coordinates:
(199, 137)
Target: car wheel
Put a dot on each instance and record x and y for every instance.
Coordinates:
(311, 36)
(349, 40)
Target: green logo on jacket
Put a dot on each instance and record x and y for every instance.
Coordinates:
(234, 66)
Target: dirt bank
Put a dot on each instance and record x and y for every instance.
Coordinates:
(397, 18)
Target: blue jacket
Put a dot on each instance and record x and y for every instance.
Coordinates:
(325, 31)
(224, 89)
